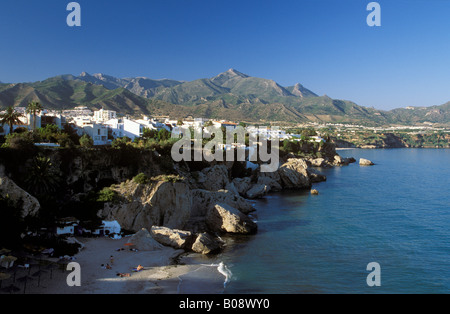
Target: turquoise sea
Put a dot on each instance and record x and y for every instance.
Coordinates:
(396, 213)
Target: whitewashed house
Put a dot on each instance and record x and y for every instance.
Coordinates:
(132, 129)
(107, 228)
(104, 115)
(116, 126)
(98, 132)
(66, 226)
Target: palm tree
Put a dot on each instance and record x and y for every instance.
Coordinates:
(34, 108)
(42, 179)
(10, 117)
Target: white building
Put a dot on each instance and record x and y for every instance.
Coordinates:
(147, 123)
(116, 126)
(98, 132)
(132, 129)
(104, 115)
(66, 226)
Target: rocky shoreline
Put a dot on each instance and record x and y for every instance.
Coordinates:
(188, 210)
(192, 214)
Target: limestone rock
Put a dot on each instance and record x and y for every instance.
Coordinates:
(257, 191)
(271, 179)
(206, 244)
(318, 162)
(224, 218)
(338, 160)
(350, 160)
(178, 239)
(203, 200)
(365, 162)
(215, 178)
(144, 241)
(294, 174)
(315, 176)
(158, 203)
(18, 197)
(242, 185)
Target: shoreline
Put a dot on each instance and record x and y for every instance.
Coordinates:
(160, 274)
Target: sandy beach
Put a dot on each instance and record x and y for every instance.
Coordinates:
(160, 274)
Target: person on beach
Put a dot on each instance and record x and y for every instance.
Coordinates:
(123, 275)
(138, 269)
(111, 259)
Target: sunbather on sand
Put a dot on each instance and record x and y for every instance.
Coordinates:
(123, 275)
(139, 268)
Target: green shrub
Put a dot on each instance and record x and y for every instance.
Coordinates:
(107, 195)
(86, 141)
(169, 178)
(141, 179)
(22, 141)
(121, 142)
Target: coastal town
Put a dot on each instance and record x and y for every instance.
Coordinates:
(104, 126)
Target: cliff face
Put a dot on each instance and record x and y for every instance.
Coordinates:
(158, 203)
(210, 202)
(214, 199)
(18, 197)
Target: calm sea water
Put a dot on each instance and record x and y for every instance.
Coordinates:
(396, 213)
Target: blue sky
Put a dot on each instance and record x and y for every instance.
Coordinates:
(325, 45)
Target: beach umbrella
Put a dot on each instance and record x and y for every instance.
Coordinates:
(10, 289)
(4, 276)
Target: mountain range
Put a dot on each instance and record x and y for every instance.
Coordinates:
(230, 95)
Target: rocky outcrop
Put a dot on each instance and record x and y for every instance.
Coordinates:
(143, 241)
(178, 239)
(19, 198)
(203, 200)
(158, 203)
(242, 185)
(315, 176)
(318, 162)
(365, 162)
(224, 218)
(206, 244)
(214, 178)
(271, 180)
(294, 174)
(257, 191)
